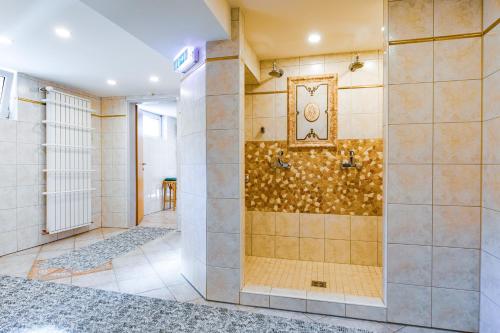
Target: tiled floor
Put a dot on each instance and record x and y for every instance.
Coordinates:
(344, 279)
(153, 270)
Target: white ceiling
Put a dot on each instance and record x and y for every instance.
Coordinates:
(163, 108)
(100, 49)
(279, 28)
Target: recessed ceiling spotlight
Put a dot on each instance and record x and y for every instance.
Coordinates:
(62, 32)
(382, 29)
(111, 82)
(5, 41)
(314, 38)
(154, 78)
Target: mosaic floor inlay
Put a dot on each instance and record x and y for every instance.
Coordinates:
(95, 257)
(28, 306)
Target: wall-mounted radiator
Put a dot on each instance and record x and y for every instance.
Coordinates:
(68, 168)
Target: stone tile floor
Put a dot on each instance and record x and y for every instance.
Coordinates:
(153, 270)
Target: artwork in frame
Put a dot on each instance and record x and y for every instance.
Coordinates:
(312, 111)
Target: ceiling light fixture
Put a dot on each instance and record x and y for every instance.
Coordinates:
(314, 38)
(382, 29)
(5, 41)
(111, 82)
(62, 32)
(154, 78)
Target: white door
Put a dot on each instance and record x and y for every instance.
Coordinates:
(155, 154)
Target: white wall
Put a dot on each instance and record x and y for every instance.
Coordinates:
(22, 160)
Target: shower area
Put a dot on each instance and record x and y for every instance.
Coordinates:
(313, 211)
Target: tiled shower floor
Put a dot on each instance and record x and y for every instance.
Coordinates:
(341, 279)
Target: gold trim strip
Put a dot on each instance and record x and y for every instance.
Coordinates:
(491, 27)
(267, 92)
(361, 87)
(27, 100)
(436, 38)
(222, 58)
(340, 88)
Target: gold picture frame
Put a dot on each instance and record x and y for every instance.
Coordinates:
(312, 111)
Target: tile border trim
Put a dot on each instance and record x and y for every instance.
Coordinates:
(436, 38)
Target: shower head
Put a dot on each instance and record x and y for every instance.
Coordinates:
(276, 72)
(354, 66)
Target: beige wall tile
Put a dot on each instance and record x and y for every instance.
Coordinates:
(253, 299)
(263, 246)
(457, 101)
(491, 141)
(223, 215)
(223, 250)
(342, 69)
(410, 103)
(223, 284)
(222, 77)
(312, 249)
(223, 181)
(338, 251)
(287, 247)
(311, 60)
(455, 268)
(490, 275)
(269, 129)
(410, 184)
(248, 222)
(364, 228)
(281, 105)
(458, 59)
(248, 106)
(248, 245)
(312, 225)
(410, 19)
(453, 17)
(457, 226)
(364, 253)
(222, 112)
(409, 224)
(314, 69)
(491, 187)
(457, 143)
(338, 227)
(409, 304)
(263, 223)
(286, 62)
(263, 106)
(455, 309)
(411, 143)
(281, 128)
(380, 254)
(287, 224)
(222, 146)
(456, 185)
(366, 126)
(491, 96)
(281, 83)
(491, 231)
(491, 12)
(410, 63)
(409, 264)
(326, 308)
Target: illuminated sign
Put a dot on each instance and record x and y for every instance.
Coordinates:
(185, 59)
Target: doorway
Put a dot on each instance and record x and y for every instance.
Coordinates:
(155, 147)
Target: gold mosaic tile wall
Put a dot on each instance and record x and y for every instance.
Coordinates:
(315, 183)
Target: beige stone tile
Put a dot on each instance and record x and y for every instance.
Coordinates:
(409, 264)
(223, 181)
(453, 17)
(263, 124)
(223, 215)
(455, 268)
(338, 57)
(457, 101)
(136, 286)
(455, 309)
(222, 111)
(491, 187)
(325, 308)
(491, 96)
(287, 247)
(364, 228)
(222, 48)
(364, 253)
(248, 106)
(282, 82)
(457, 226)
(338, 227)
(490, 275)
(286, 62)
(409, 304)
(311, 60)
(287, 224)
(281, 105)
(263, 106)
(248, 222)
(312, 69)
(457, 143)
(263, 223)
(253, 299)
(338, 251)
(222, 146)
(456, 185)
(248, 245)
(183, 292)
(491, 10)
(410, 63)
(458, 59)
(312, 225)
(410, 143)
(281, 128)
(223, 284)
(312, 249)
(410, 19)
(263, 246)
(410, 103)
(223, 250)
(288, 303)
(491, 141)
(410, 184)
(491, 231)
(222, 77)
(342, 70)
(162, 293)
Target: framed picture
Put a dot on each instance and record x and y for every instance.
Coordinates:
(312, 111)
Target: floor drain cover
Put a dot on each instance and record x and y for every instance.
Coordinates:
(321, 284)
